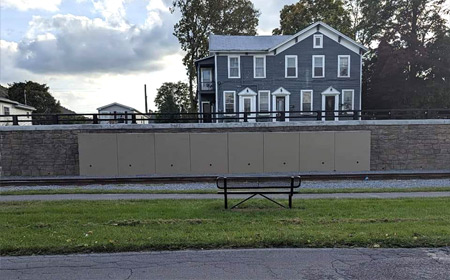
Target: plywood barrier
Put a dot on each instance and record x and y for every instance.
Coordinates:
(129, 154)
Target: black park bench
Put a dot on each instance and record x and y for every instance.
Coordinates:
(262, 186)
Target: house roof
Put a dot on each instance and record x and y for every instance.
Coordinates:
(117, 104)
(244, 43)
(267, 43)
(17, 104)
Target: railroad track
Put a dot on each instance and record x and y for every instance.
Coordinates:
(373, 175)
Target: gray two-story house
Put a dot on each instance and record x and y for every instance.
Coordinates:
(317, 69)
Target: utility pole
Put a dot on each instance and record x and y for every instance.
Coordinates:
(145, 93)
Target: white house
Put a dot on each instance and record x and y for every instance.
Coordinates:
(10, 107)
(119, 113)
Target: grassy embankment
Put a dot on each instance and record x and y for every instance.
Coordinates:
(112, 226)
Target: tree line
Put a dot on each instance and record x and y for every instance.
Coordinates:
(408, 65)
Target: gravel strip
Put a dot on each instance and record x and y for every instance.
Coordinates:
(369, 184)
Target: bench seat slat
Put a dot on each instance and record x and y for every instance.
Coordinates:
(257, 187)
(256, 192)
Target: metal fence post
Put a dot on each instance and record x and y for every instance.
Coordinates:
(245, 117)
(319, 115)
(133, 119)
(55, 119)
(95, 119)
(15, 120)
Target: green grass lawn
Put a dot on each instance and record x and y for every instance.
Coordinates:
(305, 191)
(111, 226)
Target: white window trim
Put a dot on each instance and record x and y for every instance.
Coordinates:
(259, 102)
(286, 66)
(314, 66)
(301, 98)
(239, 66)
(339, 66)
(353, 98)
(254, 66)
(224, 104)
(321, 41)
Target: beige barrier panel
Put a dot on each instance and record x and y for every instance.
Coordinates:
(172, 152)
(352, 151)
(98, 154)
(317, 151)
(245, 152)
(136, 154)
(209, 153)
(281, 152)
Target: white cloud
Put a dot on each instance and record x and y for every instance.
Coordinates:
(90, 62)
(25, 5)
(73, 44)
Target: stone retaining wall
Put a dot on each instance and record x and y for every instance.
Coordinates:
(395, 145)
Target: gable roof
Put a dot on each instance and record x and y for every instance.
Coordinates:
(326, 26)
(226, 43)
(117, 104)
(244, 43)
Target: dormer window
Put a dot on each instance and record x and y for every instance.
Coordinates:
(234, 67)
(318, 41)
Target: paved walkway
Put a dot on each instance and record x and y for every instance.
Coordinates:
(52, 197)
(237, 264)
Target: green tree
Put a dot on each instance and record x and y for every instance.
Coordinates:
(37, 95)
(173, 98)
(296, 17)
(200, 18)
(410, 68)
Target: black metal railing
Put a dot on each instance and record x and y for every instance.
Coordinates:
(207, 86)
(140, 118)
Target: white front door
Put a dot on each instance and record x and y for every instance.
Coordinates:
(247, 104)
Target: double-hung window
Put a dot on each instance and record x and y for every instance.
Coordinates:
(259, 69)
(344, 66)
(229, 102)
(291, 66)
(6, 111)
(234, 67)
(318, 41)
(306, 100)
(264, 101)
(206, 79)
(318, 65)
(348, 99)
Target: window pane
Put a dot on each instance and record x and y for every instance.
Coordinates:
(307, 101)
(347, 103)
(291, 72)
(264, 102)
(291, 62)
(343, 66)
(259, 62)
(259, 72)
(234, 62)
(206, 74)
(234, 72)
(318, 71)
(318, 61)
(318, 40)
(229, 102)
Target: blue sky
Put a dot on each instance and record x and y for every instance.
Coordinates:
(95, 52)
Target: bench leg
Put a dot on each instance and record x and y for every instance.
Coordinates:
(226, 200)
(290, 201)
